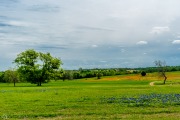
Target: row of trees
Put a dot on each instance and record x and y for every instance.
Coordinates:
(37, 67)
(32, 74)
(89, 73)
(154, 69)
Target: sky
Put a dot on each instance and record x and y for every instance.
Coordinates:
(92, 33)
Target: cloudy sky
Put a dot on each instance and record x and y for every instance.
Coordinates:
(92, 33)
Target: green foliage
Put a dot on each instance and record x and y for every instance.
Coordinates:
(11, 76)
(37, 67)
(67, 75)
(26, 63)
(143, 73)
(2, 77)
(90, 73)
(99, 75)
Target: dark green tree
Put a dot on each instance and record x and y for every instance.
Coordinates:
(49, 68)
(99, 75)
(2, 77)
(37, 67)
(143, 73)
(27, 65)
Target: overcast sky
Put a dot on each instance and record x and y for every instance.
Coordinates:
(92, 33)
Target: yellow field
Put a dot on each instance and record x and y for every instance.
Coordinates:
(172, 77)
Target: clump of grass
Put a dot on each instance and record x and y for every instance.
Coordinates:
(145, 100)
(4, 117)
(83, 99)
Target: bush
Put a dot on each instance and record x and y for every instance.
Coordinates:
(99, 75)
(143, 73)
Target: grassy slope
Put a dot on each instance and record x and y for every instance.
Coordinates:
(81, 99)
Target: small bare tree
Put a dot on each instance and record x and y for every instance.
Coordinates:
(161, 65)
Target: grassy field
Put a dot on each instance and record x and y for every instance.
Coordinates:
(117, 97)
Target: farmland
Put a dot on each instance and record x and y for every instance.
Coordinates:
(117, 97)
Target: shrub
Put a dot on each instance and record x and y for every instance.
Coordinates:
(143, 73)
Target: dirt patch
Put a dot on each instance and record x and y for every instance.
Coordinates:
(151, 83)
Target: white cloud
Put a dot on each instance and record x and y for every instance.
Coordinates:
(176, 42)
(19, 23)
(123, 50)
(142, 43)
(94, 46)
(159, 30)
(103, 61)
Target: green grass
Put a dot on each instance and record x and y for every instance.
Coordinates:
(81, 99)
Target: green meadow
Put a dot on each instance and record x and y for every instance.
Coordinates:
(117, 97)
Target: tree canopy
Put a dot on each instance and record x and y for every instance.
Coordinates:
(11, 76)
(37, 67)
(143, 73)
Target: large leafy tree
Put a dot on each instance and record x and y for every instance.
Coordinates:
(37, 67)
(27, 65)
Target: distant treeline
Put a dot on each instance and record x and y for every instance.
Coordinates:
(154, 69)
(90, 73)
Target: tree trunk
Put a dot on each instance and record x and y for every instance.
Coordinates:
(40, 82)
(165, 78)
(14, 83)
